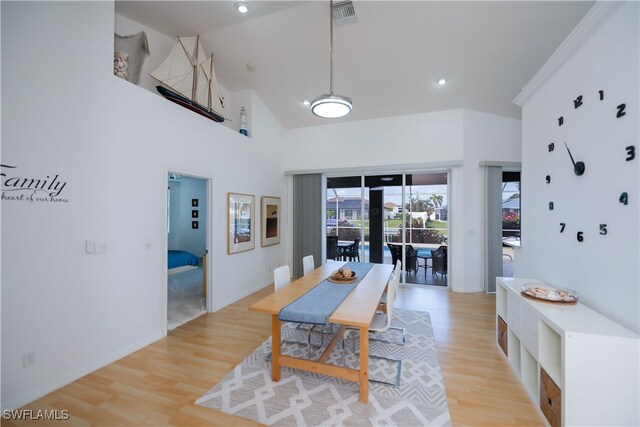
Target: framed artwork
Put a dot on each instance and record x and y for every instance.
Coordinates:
(194, 213)
(240, 222)
(194, 225)
(194, 203)
(270, 221)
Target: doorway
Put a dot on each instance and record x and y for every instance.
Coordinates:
(510, 219)
(187, 248)
(393, 217)
(502, 223)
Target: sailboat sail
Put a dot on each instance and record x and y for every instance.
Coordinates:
(210, 94)
(189, 73)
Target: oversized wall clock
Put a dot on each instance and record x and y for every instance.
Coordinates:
(571, 155)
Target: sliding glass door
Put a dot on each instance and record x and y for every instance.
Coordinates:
(426, 228)
(347, 212)
(391, 217)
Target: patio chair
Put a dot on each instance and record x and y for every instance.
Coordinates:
(411, 256)
(332, 247)
(439, 261)
(352, 252)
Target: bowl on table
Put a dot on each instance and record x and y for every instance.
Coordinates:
(550, 294)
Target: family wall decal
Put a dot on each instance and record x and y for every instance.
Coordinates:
(22, 189)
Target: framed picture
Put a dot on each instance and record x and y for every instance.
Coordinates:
(270, 221)
(194, 203)
(240, 222)
(194, 225)
(194, 213)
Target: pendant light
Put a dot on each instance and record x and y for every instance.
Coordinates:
(331, 106)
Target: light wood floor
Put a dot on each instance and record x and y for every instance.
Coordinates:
(158, 384)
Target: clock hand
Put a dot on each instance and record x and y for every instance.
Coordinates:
(569, 151)
(578, 167)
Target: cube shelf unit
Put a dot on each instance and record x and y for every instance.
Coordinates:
(577, 366)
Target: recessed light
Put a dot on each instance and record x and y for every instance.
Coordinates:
(242, 7)
(386, 179)
(306, 103)
(442, 81)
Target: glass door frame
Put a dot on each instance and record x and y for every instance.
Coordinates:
(404, 173)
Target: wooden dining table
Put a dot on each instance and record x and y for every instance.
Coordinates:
(356, 311)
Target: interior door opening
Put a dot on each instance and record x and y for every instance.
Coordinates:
(187, 248)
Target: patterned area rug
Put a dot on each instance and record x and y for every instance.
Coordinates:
(307, 399)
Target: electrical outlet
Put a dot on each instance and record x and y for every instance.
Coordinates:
(29, 359)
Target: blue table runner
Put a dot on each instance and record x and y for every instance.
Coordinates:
(320, 302)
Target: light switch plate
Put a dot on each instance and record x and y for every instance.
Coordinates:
(89, 246)
(101, 248)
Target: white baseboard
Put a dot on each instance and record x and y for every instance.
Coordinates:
(67, 379)
(222, 304)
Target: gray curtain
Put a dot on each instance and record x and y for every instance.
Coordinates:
(307, 220)
(493, 248)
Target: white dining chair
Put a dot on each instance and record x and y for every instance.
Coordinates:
(380, 323)
(282, 278)
(307, 264)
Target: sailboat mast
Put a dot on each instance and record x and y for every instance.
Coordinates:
(195, 70)
(209, 83)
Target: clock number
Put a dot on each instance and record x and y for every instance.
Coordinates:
(624, 198)
(552, 146)
(601, 92)
(603, 229)
(580, 236)
(631, 152)
(548, 179)
(577, 102)
(560, 121)
(562, 226)
(621, 111)
(550, 206)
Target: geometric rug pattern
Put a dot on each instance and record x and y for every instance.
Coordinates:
(303, 398)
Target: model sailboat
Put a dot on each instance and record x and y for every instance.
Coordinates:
(189, 79)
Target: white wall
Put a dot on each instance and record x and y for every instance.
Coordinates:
(181, 235)
(416, 138)
(603, 269)
(447, 136)
(486, 138)
(113, 143)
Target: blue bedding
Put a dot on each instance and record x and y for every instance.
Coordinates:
(180, 258)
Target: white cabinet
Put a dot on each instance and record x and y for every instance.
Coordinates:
(578, 367)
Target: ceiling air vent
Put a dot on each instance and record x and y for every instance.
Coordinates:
(343, 12)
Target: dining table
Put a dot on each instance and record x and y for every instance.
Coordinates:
(424, 254)
(355, 311)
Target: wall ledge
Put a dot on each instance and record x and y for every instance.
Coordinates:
(591, 22)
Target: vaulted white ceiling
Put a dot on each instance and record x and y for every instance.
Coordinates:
(388, 61)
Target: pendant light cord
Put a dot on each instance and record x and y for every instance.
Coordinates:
(331, 47)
